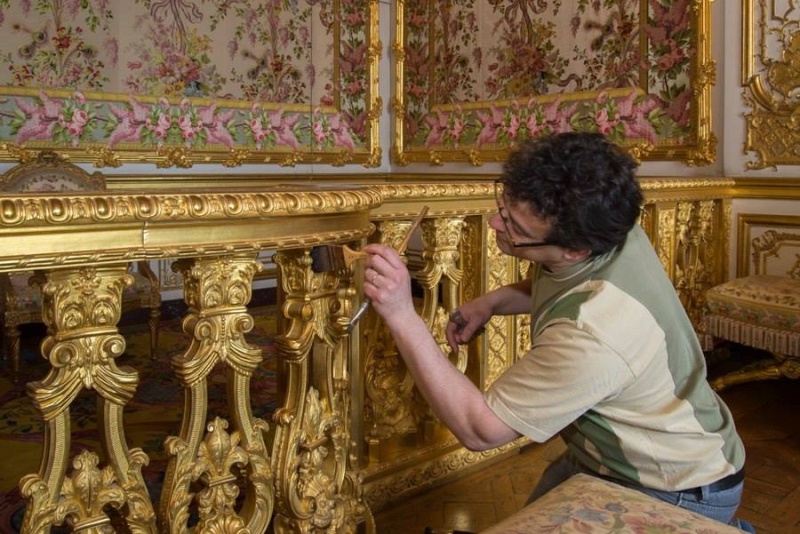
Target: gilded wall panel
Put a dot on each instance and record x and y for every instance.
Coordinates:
(771, 78)
(768, 244)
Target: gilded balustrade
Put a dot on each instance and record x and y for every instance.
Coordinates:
(351, 433)
(456, 259)
(296, 475)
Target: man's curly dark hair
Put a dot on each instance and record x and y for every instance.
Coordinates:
(581, 183)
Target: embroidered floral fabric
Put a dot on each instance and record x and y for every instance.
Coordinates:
(587, 505)
(762, 311)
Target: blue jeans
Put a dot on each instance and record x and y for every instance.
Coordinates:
(719, 505)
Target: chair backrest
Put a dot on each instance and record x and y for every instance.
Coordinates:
(776, 246)
(49, 172)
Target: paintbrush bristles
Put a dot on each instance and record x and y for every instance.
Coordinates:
(326, 258)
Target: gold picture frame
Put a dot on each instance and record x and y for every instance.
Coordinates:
(439, 61)
(173, 118)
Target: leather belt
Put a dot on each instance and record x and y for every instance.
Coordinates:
(720, 485)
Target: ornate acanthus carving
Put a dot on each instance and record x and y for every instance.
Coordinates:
(392, 405)
(81, 308)
(771, 80)
(315, 492)
(217, 291)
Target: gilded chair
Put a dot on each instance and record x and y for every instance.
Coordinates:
(760, 311)
(20, 302)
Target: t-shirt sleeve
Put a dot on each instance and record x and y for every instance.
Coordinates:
(567, 371)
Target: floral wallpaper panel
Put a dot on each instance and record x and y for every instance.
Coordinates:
(479, 75)
(224, 80)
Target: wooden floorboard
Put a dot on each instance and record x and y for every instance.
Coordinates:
(767, 416)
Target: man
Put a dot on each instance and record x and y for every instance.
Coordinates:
(615, 366)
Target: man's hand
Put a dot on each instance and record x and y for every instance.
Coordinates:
(466, 322)
(388, 283)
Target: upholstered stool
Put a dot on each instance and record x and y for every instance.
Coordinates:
(760, 311)
(586, 504)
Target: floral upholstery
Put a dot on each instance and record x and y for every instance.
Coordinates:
(586, 504)
(761, 311)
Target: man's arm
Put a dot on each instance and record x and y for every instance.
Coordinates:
(451, 395)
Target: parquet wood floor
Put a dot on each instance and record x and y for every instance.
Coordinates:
(766, 414)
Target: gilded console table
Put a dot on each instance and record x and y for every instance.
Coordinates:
(293, 470)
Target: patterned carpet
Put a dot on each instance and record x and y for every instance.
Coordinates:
(152, 415)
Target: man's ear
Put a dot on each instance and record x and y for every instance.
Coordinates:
(576, 255)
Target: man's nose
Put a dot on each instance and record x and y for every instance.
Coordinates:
(496, 222)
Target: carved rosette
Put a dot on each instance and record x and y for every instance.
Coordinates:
(81, 308)
(314, 491)
(217, 291)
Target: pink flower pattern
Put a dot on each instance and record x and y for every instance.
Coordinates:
(528, 69)
(175, 57)
(71, 120)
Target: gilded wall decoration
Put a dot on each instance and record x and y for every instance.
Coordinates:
(178, 82)
(476, 76)
(771, 77)
(767, 244)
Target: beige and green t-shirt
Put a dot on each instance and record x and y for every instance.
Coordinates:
(615, 367)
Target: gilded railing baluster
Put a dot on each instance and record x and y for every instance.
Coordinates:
(81, 308)
(217, 291)
(315, 490)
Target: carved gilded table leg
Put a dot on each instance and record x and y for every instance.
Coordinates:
(316, 490)
(81, 308)
(217, 291)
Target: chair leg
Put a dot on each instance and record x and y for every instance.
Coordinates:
(153, 322)
(769, 369)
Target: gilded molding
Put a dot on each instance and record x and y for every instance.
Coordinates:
(384, 490)
(770, 188)
(754, 253)
(70, 208)
(102, 228)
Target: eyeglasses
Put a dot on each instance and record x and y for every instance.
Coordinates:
(498, 196)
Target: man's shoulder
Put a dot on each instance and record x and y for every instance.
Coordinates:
(606, 310)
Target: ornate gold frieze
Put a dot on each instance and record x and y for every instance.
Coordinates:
(106, 228)
(92, 208)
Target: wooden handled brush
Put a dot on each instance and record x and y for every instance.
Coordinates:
(401, 248)
(328, 258)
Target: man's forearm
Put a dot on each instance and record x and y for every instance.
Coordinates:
(452, 396)
(512, 299)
